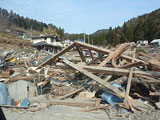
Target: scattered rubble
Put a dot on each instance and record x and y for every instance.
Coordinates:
(124, 86)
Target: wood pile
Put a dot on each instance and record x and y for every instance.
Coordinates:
(132, 82)
(140, 84)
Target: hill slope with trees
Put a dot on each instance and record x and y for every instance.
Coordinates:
(144, 27)
(12, 21)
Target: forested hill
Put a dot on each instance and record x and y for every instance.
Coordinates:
(11, 20)
(145, 27)
(101, 31)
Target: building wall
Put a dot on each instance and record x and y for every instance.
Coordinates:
(18, 90)
(38, 40)
(51, 40)
(47, 40)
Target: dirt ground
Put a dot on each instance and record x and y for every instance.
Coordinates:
(56, 112)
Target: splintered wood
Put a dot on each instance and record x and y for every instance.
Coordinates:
(106, 65)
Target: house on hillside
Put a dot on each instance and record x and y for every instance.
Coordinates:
(21, 34)
(47, 42)
(142, 43)
(155, 43)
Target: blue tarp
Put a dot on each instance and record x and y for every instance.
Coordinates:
(112, 99)
(5, 97)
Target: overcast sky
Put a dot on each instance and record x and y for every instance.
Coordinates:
(75, 15)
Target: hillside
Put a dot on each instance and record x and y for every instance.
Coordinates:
(145, 27)
(101, 31)
(10, 21)
(10, 39)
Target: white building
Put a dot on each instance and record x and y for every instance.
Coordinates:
(142, 42)
(156, 43)
(52, 40)
(47, 43)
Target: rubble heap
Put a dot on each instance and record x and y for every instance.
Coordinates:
(101, 78)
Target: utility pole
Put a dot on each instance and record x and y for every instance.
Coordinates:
(84, 36)
(88, 39)
(31, 32)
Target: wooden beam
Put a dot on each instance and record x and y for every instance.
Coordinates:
(107, 78)
(90, 52)
(100, 81)
(47, 80)
(154, 93)
(114, 54)
(119, 52)
(80, 53)
(96, 59)
(128, 85)
(72, 103)
(106, 51)
(94, 77)
(119, 80)
(134, 64)
(149, 78)
(129, 79)
(70, 94)
(145, 55)
(57, 55)
(119, 72)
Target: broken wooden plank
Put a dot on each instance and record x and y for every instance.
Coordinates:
(90, 52)
(96, 59)
(94, 77)
(106, 51)
(70, 94)
(13, 106)
(128, 84)
(148, 78)
(145, 55)
(119, 52)
(91, 47)
(5, 74)
(96, 108)
(57, 55)
(118, 92)
(120, 72)
(155, 64)
(107, 78)
(80, 53)
(114, 54)
(158, 104)
(47, 80)
(126, 98)
(129, 79)
(154, 93)
(19, 78)
(134, 64)
(75, 103)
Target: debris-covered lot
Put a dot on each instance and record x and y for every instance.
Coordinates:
(81, 81)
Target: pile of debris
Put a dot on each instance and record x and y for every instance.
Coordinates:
(100, 77)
